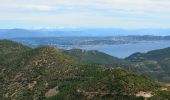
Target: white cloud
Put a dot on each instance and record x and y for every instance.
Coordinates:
(132, 6)
(15, 6)
(39, 7)
(89, 12)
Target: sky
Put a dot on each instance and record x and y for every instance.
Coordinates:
(84, 14)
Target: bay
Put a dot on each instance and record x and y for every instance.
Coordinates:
(125, 50)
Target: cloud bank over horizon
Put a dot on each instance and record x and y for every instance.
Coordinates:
(85, 13)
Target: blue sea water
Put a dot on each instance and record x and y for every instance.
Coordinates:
(124, 50)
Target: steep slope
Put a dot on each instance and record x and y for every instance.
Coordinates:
(10, 55)
(154, 63)
(36, 67)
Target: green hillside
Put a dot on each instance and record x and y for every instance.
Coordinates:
(47, 73)
(157, 55)
(93, 57)
(154, 63)
(7, 46)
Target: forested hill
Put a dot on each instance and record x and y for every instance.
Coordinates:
(47, 73)
(7, 46)
(154, 63)
(93, 57)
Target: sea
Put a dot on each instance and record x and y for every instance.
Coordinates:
(125, 50)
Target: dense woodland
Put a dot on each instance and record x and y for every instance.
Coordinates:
(47, 73)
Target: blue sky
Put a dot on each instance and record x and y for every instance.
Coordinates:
(84, 14)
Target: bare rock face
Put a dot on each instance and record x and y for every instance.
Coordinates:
(144, 94)
(52, 92)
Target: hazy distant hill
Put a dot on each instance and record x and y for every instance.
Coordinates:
(16, 33)
(48, 73)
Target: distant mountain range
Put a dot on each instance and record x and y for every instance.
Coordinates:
(15, 33)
